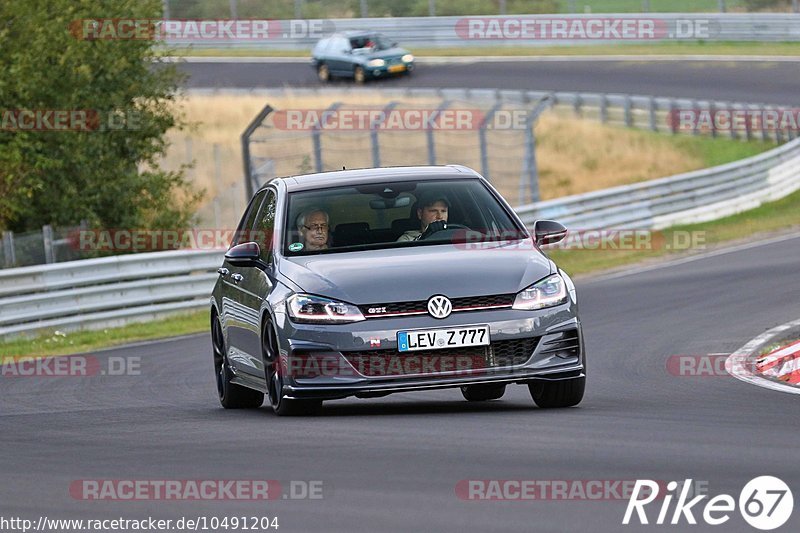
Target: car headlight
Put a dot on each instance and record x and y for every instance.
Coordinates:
(548, 292)
(408, 58)
(318, 310)
(376, 63)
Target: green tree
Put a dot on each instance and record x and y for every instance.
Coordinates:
(110, 175)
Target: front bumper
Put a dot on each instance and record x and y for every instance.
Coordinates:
(337, 361)
(389, 70)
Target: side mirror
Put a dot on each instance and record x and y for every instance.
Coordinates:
(245, 254)
(548, 232)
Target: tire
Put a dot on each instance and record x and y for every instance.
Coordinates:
(231, 396)
(359, 75)
(324, 73)
(554, 394)
(482, 393)
(275, 367)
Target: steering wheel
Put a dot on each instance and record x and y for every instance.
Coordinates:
(449, 227)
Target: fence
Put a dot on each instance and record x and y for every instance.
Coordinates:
(505, 156)
(537, 30)
(304, 9)
(50, 245)
(115, 290)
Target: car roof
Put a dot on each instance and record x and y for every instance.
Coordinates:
(364, 176)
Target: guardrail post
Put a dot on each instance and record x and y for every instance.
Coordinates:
(796, 6)
(645, 6)
(628, 112)
(696, 127)
(298, 9)
(673, 122)
(47, 239)
(571, 6)
(482, 139)
(9, 254)
(502, 7)
(316, 134)
(713, 121)
(431, 8)
(373, 133)
(748, 128)
(652, 113)
(364, 9)
(721, 5)
(578, 103)
(603, 108)
(429, 132)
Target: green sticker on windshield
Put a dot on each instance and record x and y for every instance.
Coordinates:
(295, 246)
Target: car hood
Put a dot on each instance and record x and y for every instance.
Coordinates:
(396, 275)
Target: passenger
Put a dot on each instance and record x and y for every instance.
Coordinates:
(313, 225)
(432, 213)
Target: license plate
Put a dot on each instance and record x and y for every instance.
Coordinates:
(442, 338)
(397, 68)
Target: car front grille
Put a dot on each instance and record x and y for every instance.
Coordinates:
(387, 363)
(469, 303)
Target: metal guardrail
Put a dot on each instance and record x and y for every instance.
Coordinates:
(105, 292)
(687, 198)
(116, 290)
(444, 32)
(112, 291)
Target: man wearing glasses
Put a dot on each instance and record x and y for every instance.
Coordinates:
(313, 227)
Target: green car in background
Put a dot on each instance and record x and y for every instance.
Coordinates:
(361, 56)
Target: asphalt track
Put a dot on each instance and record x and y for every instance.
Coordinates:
(742, 81)
(392, 464)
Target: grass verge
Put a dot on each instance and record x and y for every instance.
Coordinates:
(686, 48)
(59, 343)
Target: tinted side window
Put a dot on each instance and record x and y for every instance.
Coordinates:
(265, 226)
(246, 224)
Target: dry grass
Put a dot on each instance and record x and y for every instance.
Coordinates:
(573, 155)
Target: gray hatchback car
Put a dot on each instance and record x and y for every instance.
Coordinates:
(368, 282)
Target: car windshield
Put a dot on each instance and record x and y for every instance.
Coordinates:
(396, 214)
(367, 43)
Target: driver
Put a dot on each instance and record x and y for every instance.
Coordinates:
(313, 225)
(432, 213)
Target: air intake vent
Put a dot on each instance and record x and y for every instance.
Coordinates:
(566, 345)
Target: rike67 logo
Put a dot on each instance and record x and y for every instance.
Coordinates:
(765, 503)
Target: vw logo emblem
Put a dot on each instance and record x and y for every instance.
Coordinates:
(439, 306)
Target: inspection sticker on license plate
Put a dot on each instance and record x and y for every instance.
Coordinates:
(436, 339)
